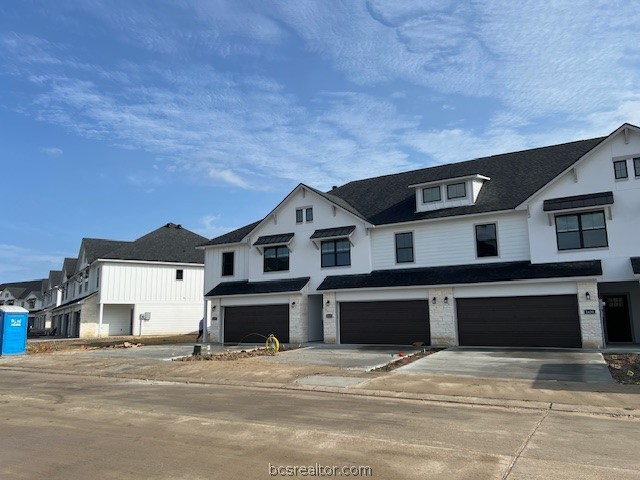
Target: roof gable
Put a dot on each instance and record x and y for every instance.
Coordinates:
(169, 243)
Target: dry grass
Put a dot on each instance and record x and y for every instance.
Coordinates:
(82, 344)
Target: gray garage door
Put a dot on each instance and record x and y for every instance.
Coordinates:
(546, 321)
(392, 323)
(252, 323)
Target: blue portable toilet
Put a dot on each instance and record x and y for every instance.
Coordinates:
(13, 330)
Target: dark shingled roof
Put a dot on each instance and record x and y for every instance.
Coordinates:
(251, 288)
(514, 177)
(69, 266)
(55, 278)
(234, 236)
(274, 239)
(635, 264)
(21, 290)
(578, 201)
(169, 243)
(333, 232)
(95, 248)
(462, 274)
(73, 302)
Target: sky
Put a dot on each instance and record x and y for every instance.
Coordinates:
(117, 117)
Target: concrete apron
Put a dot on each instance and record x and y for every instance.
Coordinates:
(538, 364)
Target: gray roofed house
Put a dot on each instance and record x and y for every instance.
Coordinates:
(522, 249)
(95, 248)
(69, 266)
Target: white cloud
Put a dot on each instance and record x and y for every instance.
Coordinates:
(208, 227)
(53, 151)
(18, 263)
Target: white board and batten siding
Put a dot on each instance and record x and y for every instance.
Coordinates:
(213, 265)
(138, 282)
(452, 242)
(175, 306)
(595, 174)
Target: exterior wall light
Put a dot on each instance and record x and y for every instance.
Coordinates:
(446, 300)
(587, 296)
(433, 301)
(328, 302)
(293, 304)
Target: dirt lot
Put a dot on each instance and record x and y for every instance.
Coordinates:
(406, 360)
(111, 342)
(624, 367)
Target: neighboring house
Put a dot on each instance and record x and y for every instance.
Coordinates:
(26, 294)
(52, 297)
(150, 286)
(536, 248)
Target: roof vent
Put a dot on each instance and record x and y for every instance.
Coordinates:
(334, 187)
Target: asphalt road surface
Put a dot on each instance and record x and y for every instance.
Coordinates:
(77, 427)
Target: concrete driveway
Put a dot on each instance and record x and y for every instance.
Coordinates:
(555, 365)
(360, 358)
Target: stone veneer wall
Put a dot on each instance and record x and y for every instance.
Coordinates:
(590, 324)
(299, 317)
(214, 321)
(442, 318)
(329, 320)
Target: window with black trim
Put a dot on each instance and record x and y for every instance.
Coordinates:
(227, 263)
(581, 230)
(636, 166)
(179, 274)
(308, 213)
(486, 240)
(456, 190)
(620, 169)
(335, 253)
(276, 259)
(431, 194)
(404, 247)
(299, 215)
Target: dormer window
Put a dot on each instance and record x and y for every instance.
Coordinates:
(431, 194)
(456, 190)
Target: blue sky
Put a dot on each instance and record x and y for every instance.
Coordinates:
(119, 116)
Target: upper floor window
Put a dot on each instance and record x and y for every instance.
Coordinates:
(276, 259)
(620, 169)
(581, 230)
(486, 240)
(404, 247)
(306, 213)
(636, 166)
(456, 190)
(179, 274)
(227, 264)
(335, 253)
(32, 304)
(431, 194)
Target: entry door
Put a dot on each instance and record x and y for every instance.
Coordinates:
(617, 318)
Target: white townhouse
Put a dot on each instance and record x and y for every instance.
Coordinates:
(537, 248)
(51, 298)
(150, 286)
(27, 294)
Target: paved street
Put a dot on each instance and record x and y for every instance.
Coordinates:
(72, 427)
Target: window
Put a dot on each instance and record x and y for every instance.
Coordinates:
(583, 230)
(299, 215)
(32, 304)
(486, 240)
(179, 274)
(227, 264)
(276, 259)
(309, 214)
(456, 190)
(404, 247)
(98, 277)
(335, 253)
(636, 166)
(620, 169)
(431, 194)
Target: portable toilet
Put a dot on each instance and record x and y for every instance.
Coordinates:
(13, 330)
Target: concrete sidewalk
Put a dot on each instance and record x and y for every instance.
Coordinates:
(605, 398)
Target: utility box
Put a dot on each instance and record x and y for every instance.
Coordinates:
(13, 330)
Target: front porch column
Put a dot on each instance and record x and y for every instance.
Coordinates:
(589, 310)
(100, 316)
(329, 320)
(299, 317)
(442, 317)
(213, 321)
